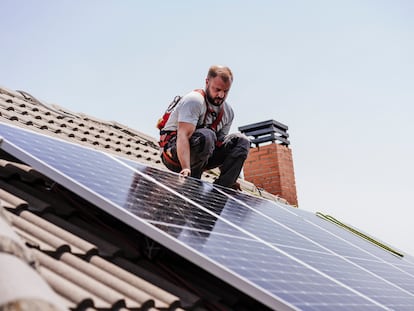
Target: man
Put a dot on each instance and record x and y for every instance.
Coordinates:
(197, 132)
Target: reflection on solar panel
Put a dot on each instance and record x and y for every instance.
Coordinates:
(286, 258)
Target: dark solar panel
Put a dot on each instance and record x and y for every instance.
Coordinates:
(301, 237)
(284, 257)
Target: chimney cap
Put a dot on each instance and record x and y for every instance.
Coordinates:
(266, 131)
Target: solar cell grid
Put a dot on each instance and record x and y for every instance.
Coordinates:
(151, 202)
(325, 258)
(238, 214)
(241, 216)
(353, 247)
(369, 274)
(327, 234)
(407, 267)
(255, 245)
(339, 268)
(363, 246)
(391, 273)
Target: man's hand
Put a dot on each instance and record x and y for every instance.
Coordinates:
(185, 172)
(236, 186)
(184, 132)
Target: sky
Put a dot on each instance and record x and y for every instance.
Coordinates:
(339, 74)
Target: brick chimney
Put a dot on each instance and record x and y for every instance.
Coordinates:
(269, 164)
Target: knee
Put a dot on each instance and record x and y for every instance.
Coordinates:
(239, 145)
(209, 136)
(243, 141)
(207, 139)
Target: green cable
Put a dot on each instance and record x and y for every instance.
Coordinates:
(358, 233)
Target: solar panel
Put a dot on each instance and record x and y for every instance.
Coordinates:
(286, 258)
(315, 241)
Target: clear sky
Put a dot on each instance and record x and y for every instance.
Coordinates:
(340, 74)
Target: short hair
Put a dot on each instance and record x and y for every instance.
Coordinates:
(223, 72)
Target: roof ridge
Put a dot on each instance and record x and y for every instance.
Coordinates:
(12, 93)
(29, 97)
(112, 124)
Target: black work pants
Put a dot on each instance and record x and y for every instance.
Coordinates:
(206, 154)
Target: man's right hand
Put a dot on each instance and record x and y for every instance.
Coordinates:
(184, 132)
(185, 172)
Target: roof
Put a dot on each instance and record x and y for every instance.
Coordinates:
(58, 251)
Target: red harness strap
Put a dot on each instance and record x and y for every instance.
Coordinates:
(165, 137)
(217, 120)
(213, 126)
(168, 157)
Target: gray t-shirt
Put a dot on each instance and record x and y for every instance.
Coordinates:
(192, 109)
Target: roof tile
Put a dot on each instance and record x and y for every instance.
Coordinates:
(25, 172)
(162, 298)
(149, 273)
(9, 200)
(111, 297)
(74, 295)
(47, 240)
(23, 196)
(132, 294)
(10, 242)
(79, 227)
(24, 286)
(78, 245)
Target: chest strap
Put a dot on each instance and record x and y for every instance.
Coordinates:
(217, 119)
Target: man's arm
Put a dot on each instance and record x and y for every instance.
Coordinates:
(184, 132)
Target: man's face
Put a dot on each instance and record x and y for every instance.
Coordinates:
(217, 90)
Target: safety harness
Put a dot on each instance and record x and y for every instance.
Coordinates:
(165, 136)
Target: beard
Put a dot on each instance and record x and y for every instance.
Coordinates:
(216, 101)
